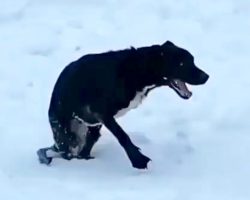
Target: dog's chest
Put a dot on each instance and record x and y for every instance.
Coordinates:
(135, 102)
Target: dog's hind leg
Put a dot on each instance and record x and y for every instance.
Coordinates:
(64, 138)
(91, 138)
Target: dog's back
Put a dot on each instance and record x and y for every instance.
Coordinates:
(93, 77)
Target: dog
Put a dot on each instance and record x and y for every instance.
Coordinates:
(96, 89)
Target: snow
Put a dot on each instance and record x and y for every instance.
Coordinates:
(199, 148)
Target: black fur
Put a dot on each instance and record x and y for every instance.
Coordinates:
(95, 87)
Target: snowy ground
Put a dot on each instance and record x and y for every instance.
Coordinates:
(200, 148)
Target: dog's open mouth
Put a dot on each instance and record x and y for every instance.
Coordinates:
(180, 88)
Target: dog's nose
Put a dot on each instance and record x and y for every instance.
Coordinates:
(204, 77)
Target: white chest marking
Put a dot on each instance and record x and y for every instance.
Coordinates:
(134, 103)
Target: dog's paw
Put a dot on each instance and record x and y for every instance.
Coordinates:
(85, 155)
(67, 156)
(138, 160)
(141, 162)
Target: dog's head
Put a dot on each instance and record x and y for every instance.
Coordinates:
(179, 69)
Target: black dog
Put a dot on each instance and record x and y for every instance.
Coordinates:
(96, 89)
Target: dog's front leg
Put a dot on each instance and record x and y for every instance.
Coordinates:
(137, 159)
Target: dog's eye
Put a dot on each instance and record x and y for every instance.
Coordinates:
(181, 64)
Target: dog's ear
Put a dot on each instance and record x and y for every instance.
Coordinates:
(168, 43)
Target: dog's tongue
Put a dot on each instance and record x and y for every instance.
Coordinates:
(184, 88)
(181, 88)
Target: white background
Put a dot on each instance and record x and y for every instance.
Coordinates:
(199, 148)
